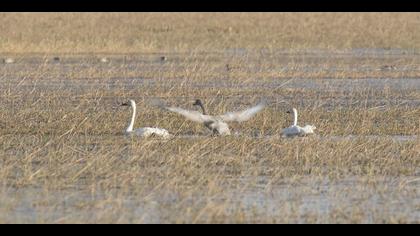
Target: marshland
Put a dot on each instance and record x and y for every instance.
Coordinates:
(65, 158)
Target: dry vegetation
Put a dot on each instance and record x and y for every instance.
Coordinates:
(64, 159)
(163, 32)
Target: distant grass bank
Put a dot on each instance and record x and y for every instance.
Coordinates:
(176, 32)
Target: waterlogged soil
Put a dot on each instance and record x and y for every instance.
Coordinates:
(321, 200)
(303, 201)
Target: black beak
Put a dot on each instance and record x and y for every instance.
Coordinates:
(288, 112)
(124, 104)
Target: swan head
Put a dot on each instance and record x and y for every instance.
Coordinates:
(129, 103)
(198, 102)
(293, 110)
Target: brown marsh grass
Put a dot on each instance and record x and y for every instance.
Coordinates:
(64, 157)
(169, 32)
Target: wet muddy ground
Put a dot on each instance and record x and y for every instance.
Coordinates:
(355, 79)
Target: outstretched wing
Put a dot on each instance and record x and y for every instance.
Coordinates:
(190, 115)
(244, 115)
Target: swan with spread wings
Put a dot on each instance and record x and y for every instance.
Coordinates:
(217, 123)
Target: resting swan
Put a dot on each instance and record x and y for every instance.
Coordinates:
(296, 130)
(146, 131)
(217, 124)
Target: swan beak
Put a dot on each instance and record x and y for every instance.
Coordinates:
(124, 104)
(288, 112)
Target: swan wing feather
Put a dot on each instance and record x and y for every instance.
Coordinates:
(244, 115)
(191, 115)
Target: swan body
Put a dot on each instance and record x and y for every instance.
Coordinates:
(217, 124)
(150, 132)
(295, 130)
(8, 61)
(104, 60)
(218, 127)
(144, 132)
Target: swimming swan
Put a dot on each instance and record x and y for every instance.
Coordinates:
(146, 131)
(217, 124)
(296, 130)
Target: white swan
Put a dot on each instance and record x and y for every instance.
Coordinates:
(217, 124)
(8, 61)
(104, 60)
(146, 131)
(296, 130)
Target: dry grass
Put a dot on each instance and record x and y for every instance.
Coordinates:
(207, 177)
(64, 159)
(161, 32)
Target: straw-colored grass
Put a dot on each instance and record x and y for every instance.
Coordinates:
(158, 32)
(64, 157)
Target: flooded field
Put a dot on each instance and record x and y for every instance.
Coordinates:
(65, 159)
(303, 201)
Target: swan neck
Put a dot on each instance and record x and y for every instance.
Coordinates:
(202, 108)
(295, 117)
(133, 117)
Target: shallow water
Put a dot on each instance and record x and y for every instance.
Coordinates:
(326, 85)
(316, 197)
(397, 196)
(405, 88)
(396, 138)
